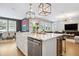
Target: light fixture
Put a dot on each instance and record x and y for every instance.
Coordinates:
(44, 9)
(30, 14)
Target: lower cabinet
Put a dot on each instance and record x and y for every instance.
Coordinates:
(21, 42)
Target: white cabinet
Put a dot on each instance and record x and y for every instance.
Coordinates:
(21, 41)
(49, 47)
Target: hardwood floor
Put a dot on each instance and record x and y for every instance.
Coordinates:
(8, 48)
(72, 48)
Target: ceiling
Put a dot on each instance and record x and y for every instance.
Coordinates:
(63, 10)
(59, 10)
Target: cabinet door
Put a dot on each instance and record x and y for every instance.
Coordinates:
(49, 47)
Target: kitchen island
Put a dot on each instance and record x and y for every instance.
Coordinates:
(33, 44)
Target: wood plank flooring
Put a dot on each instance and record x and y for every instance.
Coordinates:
(72, 48)
(8, 48)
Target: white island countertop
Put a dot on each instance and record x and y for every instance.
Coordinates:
(46, 36)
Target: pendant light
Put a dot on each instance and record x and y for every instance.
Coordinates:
(44, 9)
(30, 14)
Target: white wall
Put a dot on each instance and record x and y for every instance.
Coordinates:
(59, 25)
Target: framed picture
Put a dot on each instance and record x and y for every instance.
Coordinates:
(25, 25)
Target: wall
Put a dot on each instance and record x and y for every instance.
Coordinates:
(59, 25)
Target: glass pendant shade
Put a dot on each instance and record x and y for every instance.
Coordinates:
(30, 14)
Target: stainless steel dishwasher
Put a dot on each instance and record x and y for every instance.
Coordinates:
(34, 47)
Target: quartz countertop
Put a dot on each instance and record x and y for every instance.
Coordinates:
(46, 36)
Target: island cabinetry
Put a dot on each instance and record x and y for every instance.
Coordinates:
(42, 48)
(21, 42)
(32, 44)
(49, 47)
